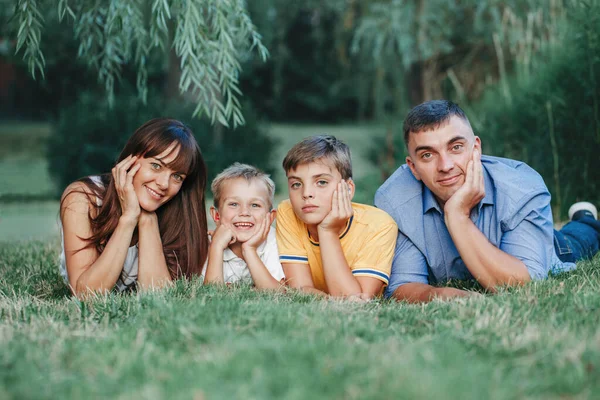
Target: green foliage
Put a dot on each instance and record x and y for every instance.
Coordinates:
(210, 38)
(551, 120)
(307, 77)
(89, 136)
(30, 22)
(431, 49)
(188, 341)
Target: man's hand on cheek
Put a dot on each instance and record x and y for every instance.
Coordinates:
(341, 209)
(471, 192)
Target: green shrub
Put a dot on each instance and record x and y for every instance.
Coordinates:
(89, 136)
(552, 120)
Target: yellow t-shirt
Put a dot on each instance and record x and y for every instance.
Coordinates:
(368, 243)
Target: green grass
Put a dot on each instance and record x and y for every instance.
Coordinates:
(22, 160)
(21, 221)
(189, 341)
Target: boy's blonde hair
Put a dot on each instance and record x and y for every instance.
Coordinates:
(319, 147)
(239, 170)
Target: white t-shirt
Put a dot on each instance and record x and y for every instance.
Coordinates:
(129, 274)
(235, 269)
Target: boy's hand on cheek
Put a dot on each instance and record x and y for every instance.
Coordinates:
(260, 235)
(471, 192)
(341, 209)
(223, 236)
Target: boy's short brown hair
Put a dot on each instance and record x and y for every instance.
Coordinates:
(239, 170)
(318, 147)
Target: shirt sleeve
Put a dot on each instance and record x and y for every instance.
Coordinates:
(288, 239)
(529, 235)
(409, 265)
(375, 258)
(271, 257)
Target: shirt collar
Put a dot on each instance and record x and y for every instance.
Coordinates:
(430, 202)
(229, 255)
(343, 234)
(490, 194)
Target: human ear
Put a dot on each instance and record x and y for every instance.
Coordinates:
(351, 187)
(411, 165)
(477, 144)
(214, 213)
(272, 216)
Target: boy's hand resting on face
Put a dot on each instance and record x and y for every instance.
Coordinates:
(260, 235)
(341, 209)
(471, 192)
(222, 237)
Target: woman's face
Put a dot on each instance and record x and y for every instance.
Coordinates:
(156, 183)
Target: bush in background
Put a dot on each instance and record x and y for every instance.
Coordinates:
(89, 136)
(552, 119)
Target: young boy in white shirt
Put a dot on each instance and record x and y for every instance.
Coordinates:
(243, 246)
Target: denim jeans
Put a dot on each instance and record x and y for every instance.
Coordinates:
(577, 240)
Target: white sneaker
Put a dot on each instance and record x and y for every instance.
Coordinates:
(584, 206)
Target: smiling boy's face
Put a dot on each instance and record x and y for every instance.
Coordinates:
(244, 204)
(311, 188)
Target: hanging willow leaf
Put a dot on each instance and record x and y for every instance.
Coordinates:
(209, 37)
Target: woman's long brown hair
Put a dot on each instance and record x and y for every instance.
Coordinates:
(182, 220)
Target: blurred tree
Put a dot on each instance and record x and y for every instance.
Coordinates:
(209, 38)
(422, 45)
(425, 49)
(307, 76)
(88, 135)
(549, 117)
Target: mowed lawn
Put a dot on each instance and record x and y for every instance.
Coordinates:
(193, 342)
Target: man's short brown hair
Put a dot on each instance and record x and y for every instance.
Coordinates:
(431, 115)
(320, 147)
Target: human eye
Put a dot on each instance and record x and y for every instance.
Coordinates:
(155, 166)
(295, 185)
(178, 177)
(426, 156)
(322, 182)
(232, 204)
(458, 147)
(256, 205)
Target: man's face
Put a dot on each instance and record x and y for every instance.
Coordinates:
(311, 188)
(439, 157)
(243, 206)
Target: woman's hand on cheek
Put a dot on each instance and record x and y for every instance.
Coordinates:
(123, 174)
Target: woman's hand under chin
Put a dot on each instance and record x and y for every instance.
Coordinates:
(123, 174)
(147, 218)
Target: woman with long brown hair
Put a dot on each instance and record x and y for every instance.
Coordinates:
(144, 223)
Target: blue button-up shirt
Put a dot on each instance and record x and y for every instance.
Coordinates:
(514, 215)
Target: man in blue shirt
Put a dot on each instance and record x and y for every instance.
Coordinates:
(462, 215)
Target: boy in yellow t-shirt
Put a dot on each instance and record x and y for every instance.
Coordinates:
(327, 244)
